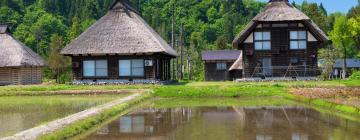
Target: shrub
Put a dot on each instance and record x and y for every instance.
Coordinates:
(355, 75)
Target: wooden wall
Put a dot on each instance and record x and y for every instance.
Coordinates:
(212, 74)
(159, 71)
(281, 55)
(20, 76)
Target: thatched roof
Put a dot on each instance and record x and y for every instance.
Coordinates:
(14, 53)
(280, 10)
(121, 31)
(238, 64)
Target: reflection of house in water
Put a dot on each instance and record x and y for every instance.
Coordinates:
(148, 123)
(223, 123)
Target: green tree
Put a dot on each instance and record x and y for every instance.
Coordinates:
(58, 64)
(329, 56)
(75, 29)
(342, 39)
(9, 16)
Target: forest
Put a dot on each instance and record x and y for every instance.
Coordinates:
(46, 26)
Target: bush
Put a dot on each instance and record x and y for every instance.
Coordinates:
(355, 75)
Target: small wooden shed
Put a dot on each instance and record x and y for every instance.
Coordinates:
(120, 47)
(18, 63)
(219, 65)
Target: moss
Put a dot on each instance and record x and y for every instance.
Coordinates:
(84, 125)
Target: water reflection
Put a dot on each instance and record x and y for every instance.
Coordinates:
(229, 123)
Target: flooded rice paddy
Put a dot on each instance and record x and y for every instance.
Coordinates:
(246, 119)
(24, 112)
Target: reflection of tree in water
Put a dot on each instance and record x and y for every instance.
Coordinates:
(243, 123)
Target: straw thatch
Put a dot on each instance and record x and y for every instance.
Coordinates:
(238, 64)
(280, 11)
(15, 54)
(121, 31)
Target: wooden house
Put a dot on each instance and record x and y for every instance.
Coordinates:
(18, 63)
(218, 65)
(281, 41)
(120, 47)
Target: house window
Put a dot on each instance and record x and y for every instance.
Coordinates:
(134, 67)
(262, 40)
(95, 68)
(221, 66)
(298, 40)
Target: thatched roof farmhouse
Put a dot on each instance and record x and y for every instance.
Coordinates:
(18, 63)
(280, 42)
(123, 46)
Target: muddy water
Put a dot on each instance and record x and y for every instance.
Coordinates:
(22, 113)
(229, 123)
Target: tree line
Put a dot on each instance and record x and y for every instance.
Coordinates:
(191, 26)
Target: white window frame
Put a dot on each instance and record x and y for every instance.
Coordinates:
(221, 66)
(132, 68)
(96, 69)
(297, 40)
(262, 41)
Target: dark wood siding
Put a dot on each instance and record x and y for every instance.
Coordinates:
(159, 71)
(281, 55)
(212, 74)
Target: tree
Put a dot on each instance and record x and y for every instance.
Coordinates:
(342, 39)
(329, 56)
(57, 63)
(9, 16)
(354, 28)
(75, 29)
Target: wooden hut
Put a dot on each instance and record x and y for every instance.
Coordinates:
(18, 63)
(120, 47)
(217, 65)
(281, 41)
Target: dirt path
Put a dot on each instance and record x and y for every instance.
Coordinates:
(34, 133)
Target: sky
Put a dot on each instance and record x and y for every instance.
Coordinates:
(331, 5)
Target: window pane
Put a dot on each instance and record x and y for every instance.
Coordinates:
(267, 45)
(124, 67)
(302, 45)
(258, 45)
(293, 35)
(294, 45)
(137, 63)
(221, 66)
(101, 64)
(302, 34)
(258, 36)
(137, 67)
(138, 72)
(89, 68)
(101, 72)
(266, 35)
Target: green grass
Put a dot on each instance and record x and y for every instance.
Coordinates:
(82, 126)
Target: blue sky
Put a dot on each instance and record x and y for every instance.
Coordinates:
(331, 5)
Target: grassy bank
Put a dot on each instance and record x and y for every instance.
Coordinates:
(82, 126)
(44, 89)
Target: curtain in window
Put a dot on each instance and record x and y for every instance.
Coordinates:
(124, 67)
(89, 68)
(298, 40)
(137, 67)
